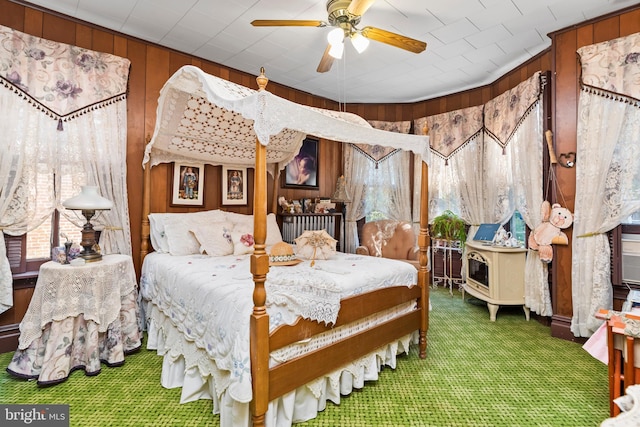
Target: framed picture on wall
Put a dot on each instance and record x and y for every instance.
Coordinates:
(188, 184)
(302, 171)
(234, 185)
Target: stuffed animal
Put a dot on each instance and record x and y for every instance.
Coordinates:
(554, 219)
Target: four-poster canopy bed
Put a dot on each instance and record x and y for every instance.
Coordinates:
(209, 120)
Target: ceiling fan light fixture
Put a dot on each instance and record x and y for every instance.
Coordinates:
(335, 36)
(359, 42)
(336, 50)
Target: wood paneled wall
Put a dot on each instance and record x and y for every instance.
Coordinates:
(565, 90)
(152, 65)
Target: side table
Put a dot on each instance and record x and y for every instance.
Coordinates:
(448, 277)
(78, 317)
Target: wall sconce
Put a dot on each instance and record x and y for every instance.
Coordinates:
(88, 202)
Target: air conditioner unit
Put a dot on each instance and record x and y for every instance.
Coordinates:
(631, 258)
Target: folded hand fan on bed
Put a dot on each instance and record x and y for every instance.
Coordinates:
(315, 245)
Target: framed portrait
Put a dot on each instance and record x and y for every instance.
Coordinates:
(188, 184)
(302, 171)
(234, 185)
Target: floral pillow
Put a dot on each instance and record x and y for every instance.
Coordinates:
(214, 239)
(242, 243)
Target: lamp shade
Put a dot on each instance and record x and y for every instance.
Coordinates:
(335, 36)
(341, 194)
(336, 50)
(88, 199)
(360, 42)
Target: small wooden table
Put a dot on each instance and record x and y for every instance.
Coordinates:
(78, 317)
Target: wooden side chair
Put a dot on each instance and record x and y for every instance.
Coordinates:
(623, 343)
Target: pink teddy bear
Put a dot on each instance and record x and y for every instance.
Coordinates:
(554, 219)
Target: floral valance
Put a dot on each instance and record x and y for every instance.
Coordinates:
(378, 153)
(59, 79)
(504, 113)
(613, 67)
(449, 132)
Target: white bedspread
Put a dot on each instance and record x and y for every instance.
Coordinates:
(209, 300)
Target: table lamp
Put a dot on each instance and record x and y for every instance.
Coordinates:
(88, 202)
(341, 195)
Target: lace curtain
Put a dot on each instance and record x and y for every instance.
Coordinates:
(377, 179)
(514, 128)
(486, 163)
(608, 174)
(526, 150)
(455, 166)
(65, 113)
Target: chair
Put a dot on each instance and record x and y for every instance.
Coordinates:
(389, 239)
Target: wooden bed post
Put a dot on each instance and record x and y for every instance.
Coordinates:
(424, 241)
(146, 196)
(259, 332)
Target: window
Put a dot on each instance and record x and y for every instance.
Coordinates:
(387, 188)
(27, 252)
(633, 219)
(375, 216)
(518, 227)
(624, 241)
(50, 234)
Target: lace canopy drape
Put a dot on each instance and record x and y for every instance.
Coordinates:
(486, 163)
(377, 179)
(65, 115)
(608, 174)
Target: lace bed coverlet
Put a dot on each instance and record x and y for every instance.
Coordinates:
(210, 300)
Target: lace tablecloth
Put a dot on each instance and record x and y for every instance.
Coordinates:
(78, 316)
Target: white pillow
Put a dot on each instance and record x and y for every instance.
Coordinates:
(240, 222)
(244, 224)
(214, 239)
(242, 243)
(158, 237)
(180, 239)
(273, 231)
(177, 229)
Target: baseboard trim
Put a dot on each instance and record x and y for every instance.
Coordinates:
(561, 328)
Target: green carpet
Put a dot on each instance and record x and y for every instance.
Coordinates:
(477, 373)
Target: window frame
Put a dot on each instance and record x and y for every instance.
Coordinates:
(23, 267)
(620, 289)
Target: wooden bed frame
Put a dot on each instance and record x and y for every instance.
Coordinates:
(271, 383)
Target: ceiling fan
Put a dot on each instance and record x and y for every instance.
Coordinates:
(345, 15)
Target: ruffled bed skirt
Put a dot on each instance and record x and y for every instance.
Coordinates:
(186, 366)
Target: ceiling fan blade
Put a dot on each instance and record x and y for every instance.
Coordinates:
(359, 7)
(393, 39)
(287, 23)
(326, 62)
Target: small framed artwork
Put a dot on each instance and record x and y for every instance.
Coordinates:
(188, 184)
(302, 171)
(234, 185)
